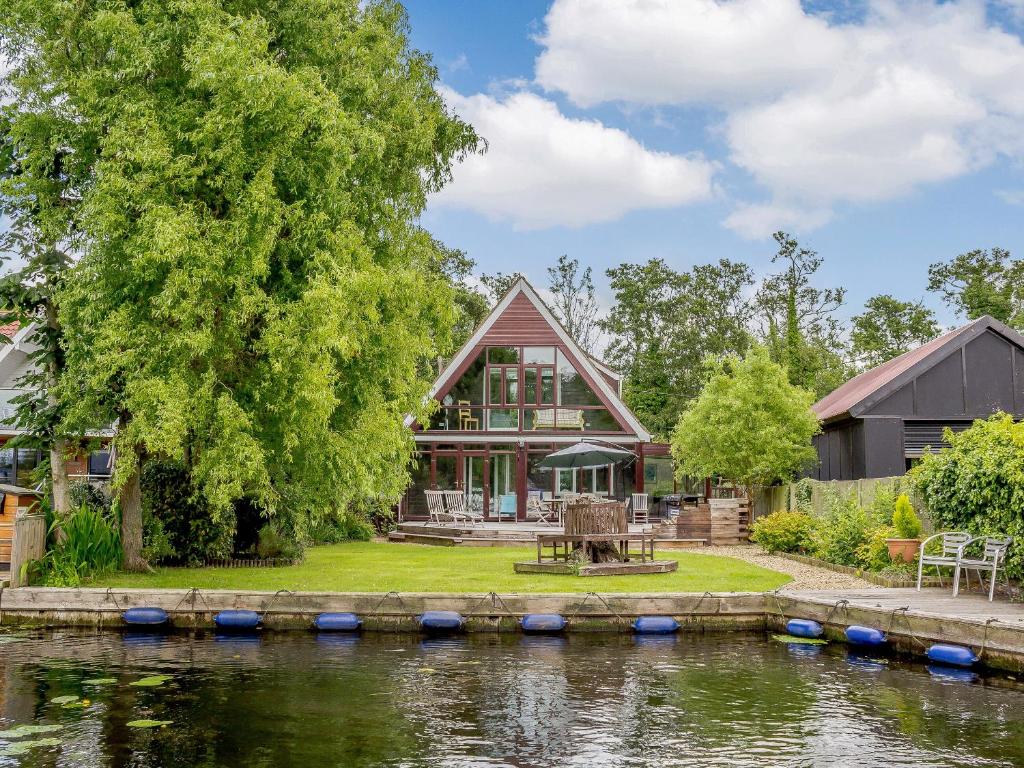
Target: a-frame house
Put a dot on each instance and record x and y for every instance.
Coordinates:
(519, 389)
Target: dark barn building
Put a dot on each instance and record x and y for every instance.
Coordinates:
(877, 423)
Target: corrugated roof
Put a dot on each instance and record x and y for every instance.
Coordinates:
(859, 388)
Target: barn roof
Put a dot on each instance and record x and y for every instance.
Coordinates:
(868, 388)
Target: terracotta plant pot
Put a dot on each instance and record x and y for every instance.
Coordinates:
(903, 549)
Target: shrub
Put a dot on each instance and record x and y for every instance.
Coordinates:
(905, 520)
(842, 532)
(977, 484)
(89, 544)
(883, 505)
(273, 543)
(874, 553)
(783, 532)
(89, 495)
(176, 517)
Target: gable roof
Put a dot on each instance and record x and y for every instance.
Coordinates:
(863, 391)
(522, 288)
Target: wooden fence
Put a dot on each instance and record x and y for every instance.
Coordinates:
(785, 497)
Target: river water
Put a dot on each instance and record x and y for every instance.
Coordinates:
(301, 700)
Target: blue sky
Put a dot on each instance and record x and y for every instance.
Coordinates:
(886, 135)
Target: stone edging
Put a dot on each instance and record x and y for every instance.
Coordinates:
(874, 578)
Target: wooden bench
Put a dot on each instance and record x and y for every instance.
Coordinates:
(559, 418)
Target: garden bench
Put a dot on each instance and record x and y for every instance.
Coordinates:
(558, 418)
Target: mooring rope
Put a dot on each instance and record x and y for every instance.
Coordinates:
(844, 603)
(274, 600)
(112, 597)
(394, 593)
(495, 598)
(191, 597)
(909, 627)
(984, 637)
(619, 617)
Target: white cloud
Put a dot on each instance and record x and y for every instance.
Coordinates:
(1011, 196)
(817, 112)
(545, 169)
(757, 220)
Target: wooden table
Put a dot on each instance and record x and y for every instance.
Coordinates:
(563, 544)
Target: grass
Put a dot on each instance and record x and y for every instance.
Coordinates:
(381, 567)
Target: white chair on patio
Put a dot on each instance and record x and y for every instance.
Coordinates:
(952, 541)
(455, 502)
(638, 506)
(435, 505)
(993, 558)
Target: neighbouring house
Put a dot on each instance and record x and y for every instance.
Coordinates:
(519, 389)
(18, 465)
(879, 423)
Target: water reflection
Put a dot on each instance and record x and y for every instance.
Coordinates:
(338, 699)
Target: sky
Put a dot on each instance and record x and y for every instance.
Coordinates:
(885, 135)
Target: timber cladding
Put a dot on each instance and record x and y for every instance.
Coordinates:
(13, 498)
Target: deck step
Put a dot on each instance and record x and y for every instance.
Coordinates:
(425, 538)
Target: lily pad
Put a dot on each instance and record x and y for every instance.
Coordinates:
(29, 730)
(21, 747)
(427, 670)
(8, 639)
(151, 682)
(100, 681)
(81, 704)
(801, 640)
(149, 723)
(63, 699)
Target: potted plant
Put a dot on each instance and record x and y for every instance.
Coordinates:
(905, 545)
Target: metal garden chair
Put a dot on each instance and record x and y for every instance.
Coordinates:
(992, 559)
(952, 541)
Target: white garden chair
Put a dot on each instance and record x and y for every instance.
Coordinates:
(638, 505)
(993, 558)
(455, 502)
(952, 543)
(435, 505)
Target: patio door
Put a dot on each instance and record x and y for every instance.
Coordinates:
(474, 476)
(503, 480)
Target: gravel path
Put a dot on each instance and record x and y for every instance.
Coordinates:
(804, 576)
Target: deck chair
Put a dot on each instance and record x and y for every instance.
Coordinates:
(435, 505)
(543, 513)
(952, 542)
(638, 505)
(993, 557)
(455, 502)
(507, 506)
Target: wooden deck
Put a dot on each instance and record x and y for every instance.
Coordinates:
(933, 603)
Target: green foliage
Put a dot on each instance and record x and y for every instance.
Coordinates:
(665, 323)
(88, 544)
(889, 327)
(749, 424)
(905, 519)
(85, 494)
(178, 524)
(275, 544)
(243, 182)
(798, 322)
(873, 554)
(843, 531)
(573, 300)
(977, 484)
(783, 532)
(351, 526)
(982, 282)
(883, 506)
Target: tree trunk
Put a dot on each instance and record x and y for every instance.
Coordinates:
(129, 497)
(129, 501)
(59, 474)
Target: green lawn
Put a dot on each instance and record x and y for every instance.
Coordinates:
(380, 567)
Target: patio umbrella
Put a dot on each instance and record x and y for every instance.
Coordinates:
(585, 455)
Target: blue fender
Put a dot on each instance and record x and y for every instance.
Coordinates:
(145, 616)
(543, 622)
(337, 622)
(655, 625)
(237, 619)
(804, 628)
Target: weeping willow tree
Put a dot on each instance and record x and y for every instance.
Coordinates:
(252, 294)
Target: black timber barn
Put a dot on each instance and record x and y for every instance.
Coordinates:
(877, 423)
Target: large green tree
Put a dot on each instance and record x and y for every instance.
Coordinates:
(665, 323)
(982, 282)
(798, 321)
(750, 424)
(253, 296)
(888, 327)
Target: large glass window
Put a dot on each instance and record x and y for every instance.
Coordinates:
(658, 475)
(503, 355)
(28, 460)
(470, 386)
(572, 387)
(7, 465)
(539, 355)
